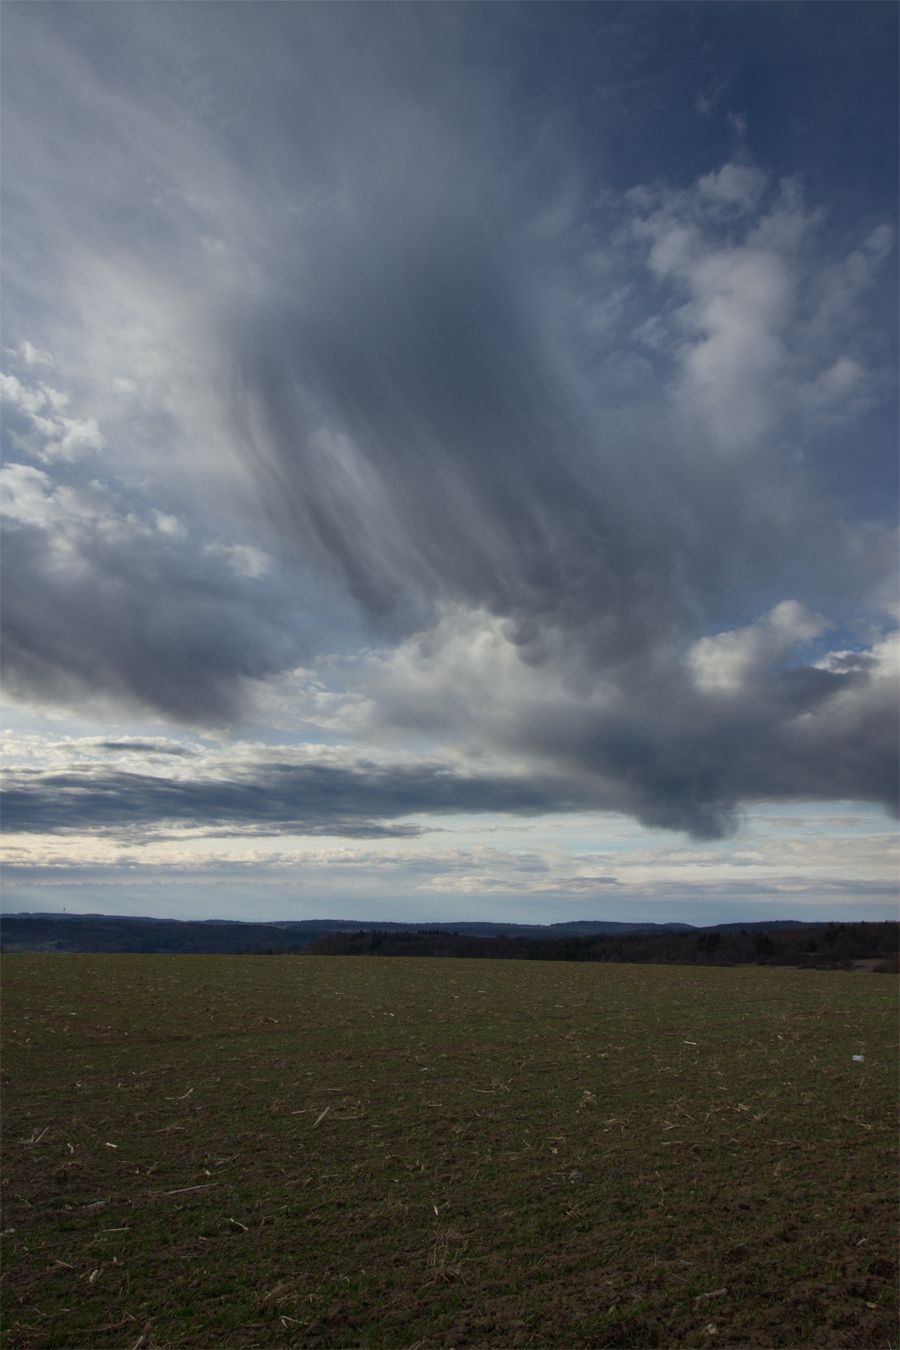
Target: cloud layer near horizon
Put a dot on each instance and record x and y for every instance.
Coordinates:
(361, 401)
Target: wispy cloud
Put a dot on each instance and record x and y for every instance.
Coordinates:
(383, 400)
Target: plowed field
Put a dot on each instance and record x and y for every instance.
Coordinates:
(276, 1151)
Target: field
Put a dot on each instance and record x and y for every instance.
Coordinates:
(349, 1151)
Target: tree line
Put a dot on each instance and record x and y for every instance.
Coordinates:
(832, 946)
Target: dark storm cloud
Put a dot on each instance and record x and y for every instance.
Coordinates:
(680, 742)
(385, 324)
(406, 424)
(98, 605)
(680, 762)
(408, 427)
(313, 799)
(663, 754)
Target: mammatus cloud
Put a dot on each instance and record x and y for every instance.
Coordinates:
(506, 459)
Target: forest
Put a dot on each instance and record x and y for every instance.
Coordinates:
(832, 946)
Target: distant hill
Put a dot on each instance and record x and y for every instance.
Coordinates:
(120, 933)
(117, 933)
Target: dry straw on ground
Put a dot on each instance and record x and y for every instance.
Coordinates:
(331, 1152)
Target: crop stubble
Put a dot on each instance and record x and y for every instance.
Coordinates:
(243, 1151)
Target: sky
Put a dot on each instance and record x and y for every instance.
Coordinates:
(449, 460)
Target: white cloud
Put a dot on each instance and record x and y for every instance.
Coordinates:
(48, 435)
(738, 185)
(769, 340)
(726, 663)
(243, 559)
(71, 517)
(170, 525)
(30, 355)
(842, 391)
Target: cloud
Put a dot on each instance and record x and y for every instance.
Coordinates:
(44, 430)
(678, 742)
(243, 559)
(276, 791)
(735, 185)
(724, 664)
(766, 335)
(728, 723)
(411, 431)
(146, 747)
(104, 606)
(369, 374)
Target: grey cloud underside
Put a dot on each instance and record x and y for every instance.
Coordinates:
(313, 800)
(689, 767)
(407, 427)
(141, 623)
(671, 766)
(147, 746)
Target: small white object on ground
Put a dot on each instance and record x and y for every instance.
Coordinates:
(859, 1059)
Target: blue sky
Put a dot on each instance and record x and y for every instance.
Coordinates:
(449, 460)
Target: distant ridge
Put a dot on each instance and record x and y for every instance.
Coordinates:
(46, 932)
